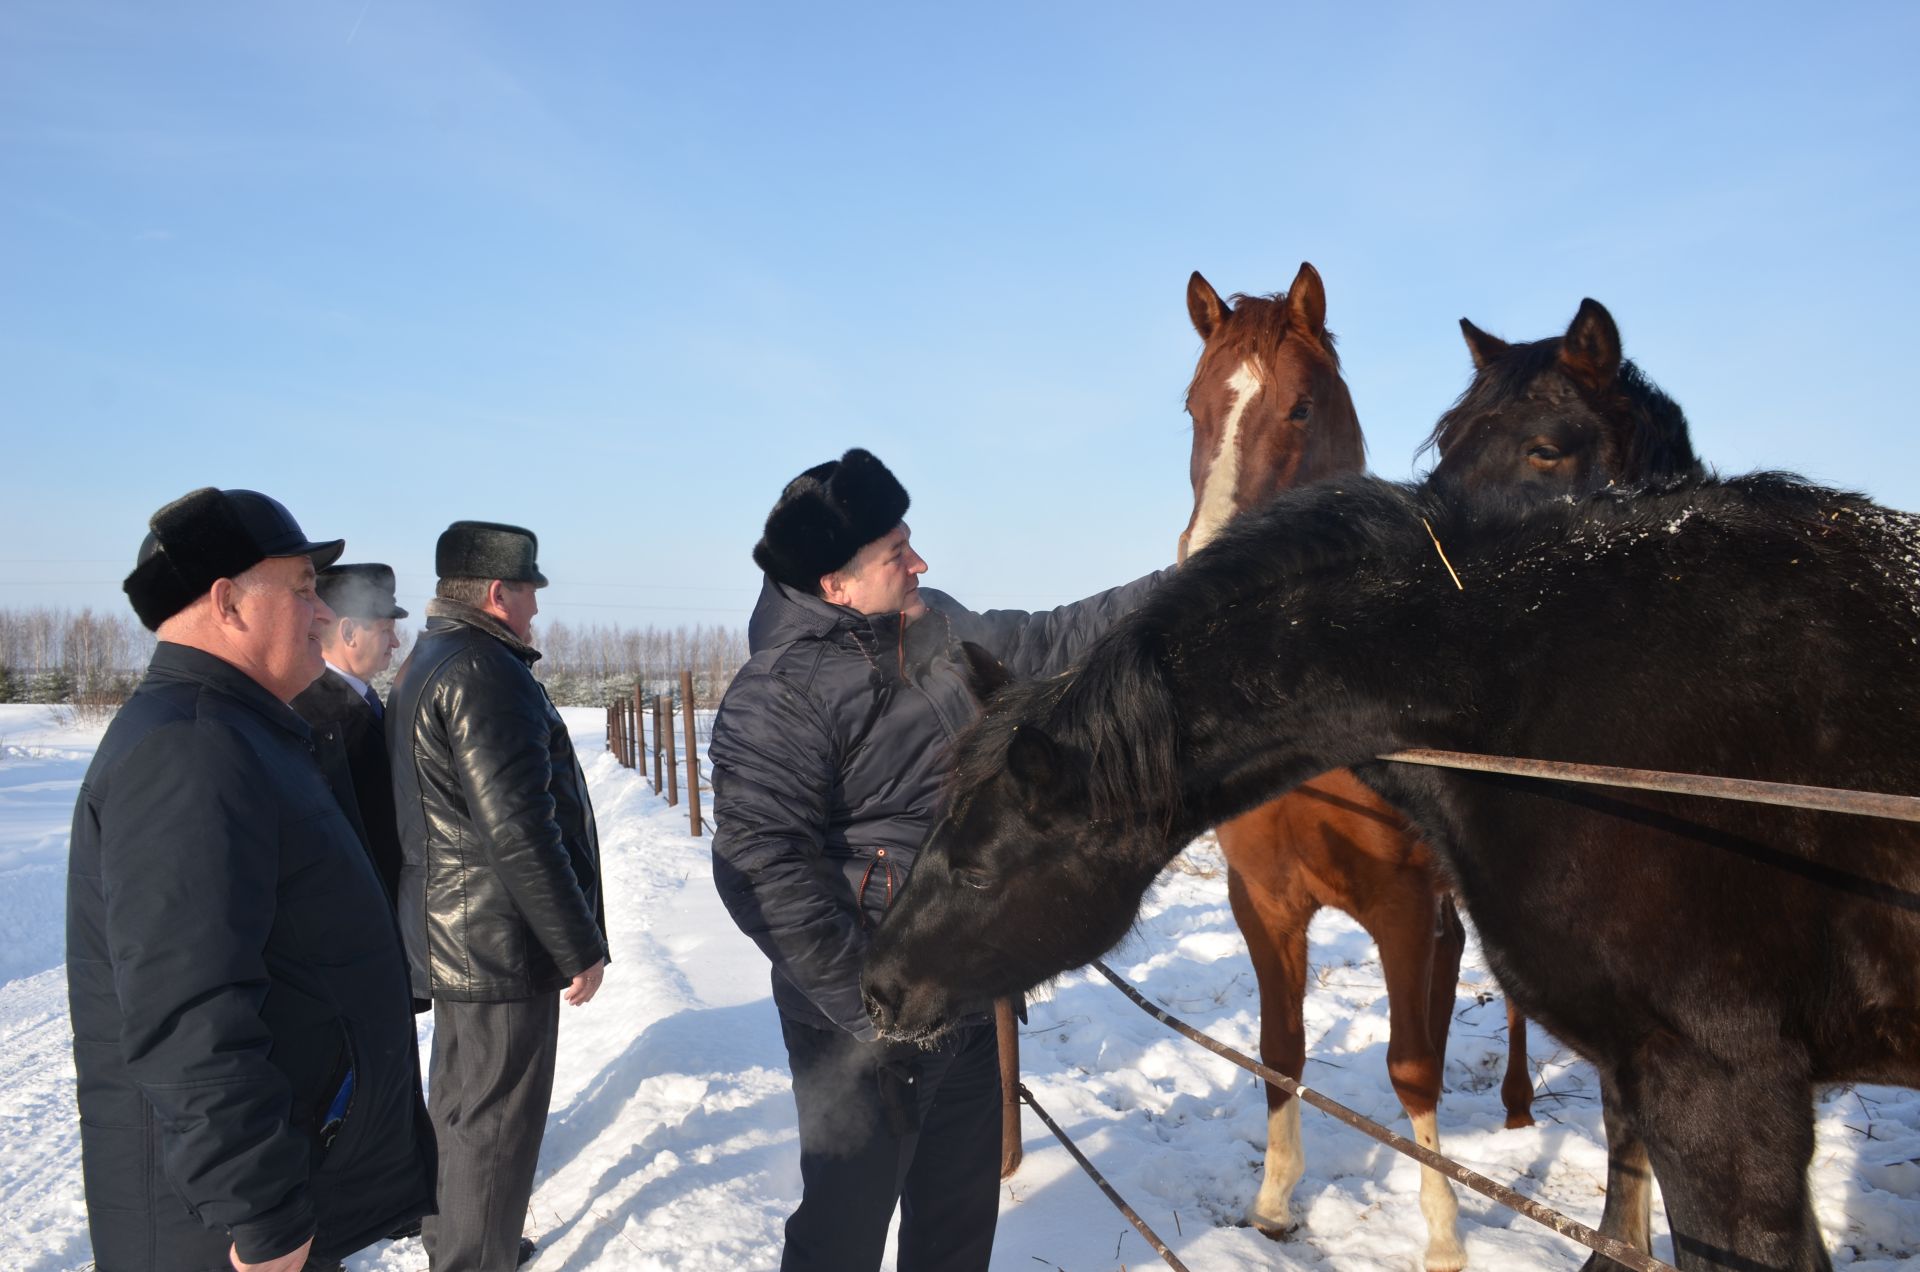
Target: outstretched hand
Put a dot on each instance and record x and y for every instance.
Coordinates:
(585, 985)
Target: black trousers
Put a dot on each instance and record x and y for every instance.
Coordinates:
(491, 1079)
(857, 1161)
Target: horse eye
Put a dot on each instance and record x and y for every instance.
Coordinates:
(1301, 411)
(1544, 452)
(975, 879)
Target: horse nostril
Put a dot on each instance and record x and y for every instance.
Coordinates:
(880, 1007)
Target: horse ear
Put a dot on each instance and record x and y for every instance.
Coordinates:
(1204, 306)
(1483, 347)
(1307, 299)
(1591, 351)
(1033, 760)
(986, 675)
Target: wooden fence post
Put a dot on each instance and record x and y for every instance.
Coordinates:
(693, 755)
(673, 773)
(635, 703)
(659, 728)
(632, 718)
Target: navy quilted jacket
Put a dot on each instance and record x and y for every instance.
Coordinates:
(829, 754)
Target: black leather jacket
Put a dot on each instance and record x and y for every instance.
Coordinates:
(500, 875)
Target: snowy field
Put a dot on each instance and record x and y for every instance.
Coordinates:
(671, 1141)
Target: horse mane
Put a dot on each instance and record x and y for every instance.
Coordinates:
(1657, 445)
(1256, 327)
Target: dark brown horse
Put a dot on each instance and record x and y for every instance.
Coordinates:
(1568, 415)
(1271, 412)
(1714, 961)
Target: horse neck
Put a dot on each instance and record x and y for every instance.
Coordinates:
(1258, 685)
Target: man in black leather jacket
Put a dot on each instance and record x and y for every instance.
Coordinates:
(500, 901)
(829, 752)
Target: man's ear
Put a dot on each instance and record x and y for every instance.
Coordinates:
(225, 595)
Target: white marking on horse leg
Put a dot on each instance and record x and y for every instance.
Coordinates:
(1217, 502)
(1286, 1163)
(1438, 1204)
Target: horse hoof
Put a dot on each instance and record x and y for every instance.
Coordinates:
(1275, 1233)
(1519, 1121)
(1453, 1262)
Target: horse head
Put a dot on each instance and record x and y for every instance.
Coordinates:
(1270, 410)
(1029, 873)
(1564, 415)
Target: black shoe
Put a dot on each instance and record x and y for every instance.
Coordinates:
(526, 1251)
(323, 1265)
(405, 1230)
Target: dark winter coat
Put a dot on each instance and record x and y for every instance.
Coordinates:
(829, 753)
(351, 742)
(230, 956)
(500, 873)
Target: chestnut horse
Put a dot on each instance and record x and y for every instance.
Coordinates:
(1270, 412)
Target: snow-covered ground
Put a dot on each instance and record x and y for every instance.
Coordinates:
(671, 1142)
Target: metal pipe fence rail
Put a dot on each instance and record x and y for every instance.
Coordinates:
(1614, 1249)
(1119, 1202)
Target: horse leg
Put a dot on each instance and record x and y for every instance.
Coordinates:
(1628, 1214)
(1405, 933)
(1730, 1141)
(1278, 943)
(1449, 942)
(1516, 1089)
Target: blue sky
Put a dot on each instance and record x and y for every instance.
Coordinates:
(617, 271)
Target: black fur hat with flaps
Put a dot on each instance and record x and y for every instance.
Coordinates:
(207, 535)
(826, 515)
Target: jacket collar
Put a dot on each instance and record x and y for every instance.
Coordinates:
(783, 615)
(442, 613)
(172, 661)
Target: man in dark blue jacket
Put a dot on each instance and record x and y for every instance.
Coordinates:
(829, 753)
(243, 1039)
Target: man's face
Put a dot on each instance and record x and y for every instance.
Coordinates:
(520, 601)
(363, 646)
(282, 622)
(882, 578)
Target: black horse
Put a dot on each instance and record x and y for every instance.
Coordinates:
(1563, 415)
(1567, 415)
(1713, 960)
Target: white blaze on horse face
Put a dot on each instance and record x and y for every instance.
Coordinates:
(1217, 504)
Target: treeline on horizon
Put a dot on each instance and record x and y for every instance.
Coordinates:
(86, 659)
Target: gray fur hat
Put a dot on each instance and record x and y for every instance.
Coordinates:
(488, 550)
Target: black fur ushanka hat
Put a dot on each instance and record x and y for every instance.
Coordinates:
(210, 534)
(826, 515)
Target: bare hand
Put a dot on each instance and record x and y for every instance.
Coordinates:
(289, 1262)
(585, 985)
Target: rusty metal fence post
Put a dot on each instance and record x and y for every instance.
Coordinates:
(693, 755)
(673, 772)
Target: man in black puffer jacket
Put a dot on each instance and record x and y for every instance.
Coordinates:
(829, 753)
(500, 901)
(242, 1036)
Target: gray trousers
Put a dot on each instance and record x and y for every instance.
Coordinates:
(491, 1079)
